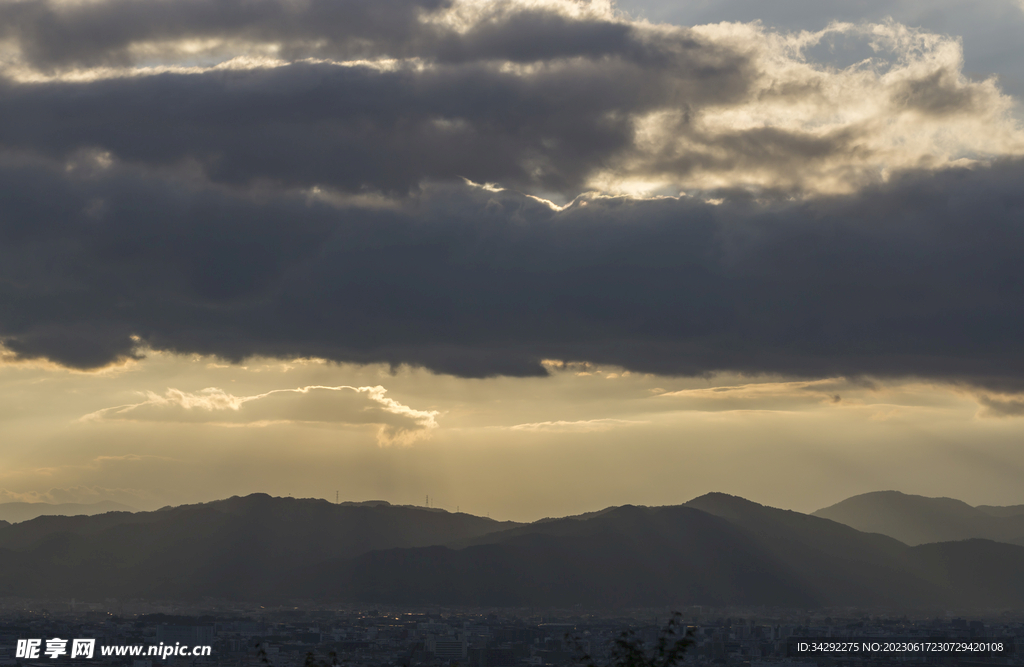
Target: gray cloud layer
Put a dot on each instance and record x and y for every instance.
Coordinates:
(53, 35)
(354, 127)
(257, 197)
(556, 97)
(918, 277)
(361, 126)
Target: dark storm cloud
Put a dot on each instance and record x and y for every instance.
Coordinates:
(55, 35)
(920, 277)
(313, 208)
(351, 127)
(557, 97)
(553, 127)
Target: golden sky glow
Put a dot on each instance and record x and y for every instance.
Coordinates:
(585, 438)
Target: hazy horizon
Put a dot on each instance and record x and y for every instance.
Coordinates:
(428, 503)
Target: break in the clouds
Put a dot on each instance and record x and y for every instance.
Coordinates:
(396, 423)
(990, 29)
(369, 182)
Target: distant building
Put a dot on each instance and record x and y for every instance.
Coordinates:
(492, 657)
(446, 647)
(196, 635)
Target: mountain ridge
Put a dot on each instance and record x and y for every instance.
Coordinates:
(917, 520)
(16, 512)
(716, 549)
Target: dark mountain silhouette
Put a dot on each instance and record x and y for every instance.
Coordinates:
(716, 550)
(920, 520)
(226, 548)
(15, 512)
(1012, 510)
(842, 564)
(626, 556)
(976, 573)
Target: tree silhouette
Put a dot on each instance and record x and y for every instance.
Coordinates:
(312, 660)
(630, 650)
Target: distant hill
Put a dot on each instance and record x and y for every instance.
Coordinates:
(715, 550)
(15, 512)
(627, 556)
(976, 573)
(919, 520)
(1012, 510)
(229, 548)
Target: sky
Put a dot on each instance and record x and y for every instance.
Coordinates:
(526, 257)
